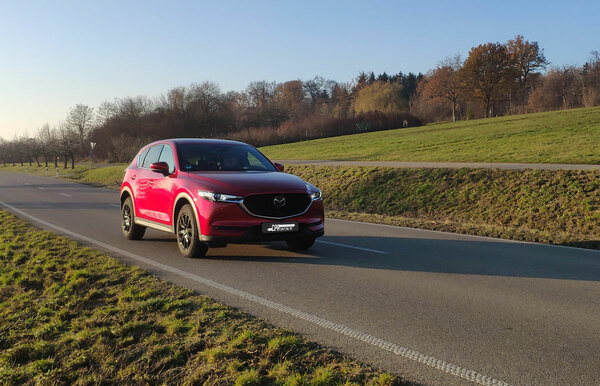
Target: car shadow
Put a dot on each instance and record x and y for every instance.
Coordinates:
(440, 255)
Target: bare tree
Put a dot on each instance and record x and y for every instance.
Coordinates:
(80, 119)
(4, 151)
(105, 112)
(591, 80)
(46, 141)
(68, 142)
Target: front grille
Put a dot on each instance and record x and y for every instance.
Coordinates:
(262, 205)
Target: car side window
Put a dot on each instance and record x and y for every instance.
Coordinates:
(140, 159)
(167, 156)
(152, 156)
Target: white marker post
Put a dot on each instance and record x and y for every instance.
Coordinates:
(93, 146)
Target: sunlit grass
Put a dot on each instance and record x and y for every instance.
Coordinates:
(550, 206)
(568, 136)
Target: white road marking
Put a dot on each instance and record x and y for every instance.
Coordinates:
(64, 194)
(39, 187)
(352, 246)
(404, 352)
(27, 183)
(118, 206)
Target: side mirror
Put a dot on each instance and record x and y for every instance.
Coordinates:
(160, 167)
(279, 166)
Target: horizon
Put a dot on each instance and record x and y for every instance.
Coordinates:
(65, 53)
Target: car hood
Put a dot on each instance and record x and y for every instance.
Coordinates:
(245, 183)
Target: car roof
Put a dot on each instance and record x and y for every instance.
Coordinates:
(197, 140)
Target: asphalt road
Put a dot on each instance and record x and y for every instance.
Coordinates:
(394, 297)
(445, 165)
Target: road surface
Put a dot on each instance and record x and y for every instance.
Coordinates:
(428, 306)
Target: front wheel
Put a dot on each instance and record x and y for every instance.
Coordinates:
(187, 234)
(131, 230)
(301, 244)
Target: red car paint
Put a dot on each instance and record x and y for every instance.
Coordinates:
(158, 197)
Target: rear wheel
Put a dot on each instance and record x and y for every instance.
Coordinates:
(301, 244)
(188, 239)
(130, 229)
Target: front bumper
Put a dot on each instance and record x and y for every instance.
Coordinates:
(228, 223)
(254, 234)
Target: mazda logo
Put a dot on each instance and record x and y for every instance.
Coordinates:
(279, 201)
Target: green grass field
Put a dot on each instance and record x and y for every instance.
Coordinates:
(72, 315)
(569, 136)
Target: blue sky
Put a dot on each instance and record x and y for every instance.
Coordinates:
(55, 54)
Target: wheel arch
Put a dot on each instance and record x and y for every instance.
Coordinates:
(182, 199)
(125, 193)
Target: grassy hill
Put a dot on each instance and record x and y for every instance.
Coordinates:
(568, 136)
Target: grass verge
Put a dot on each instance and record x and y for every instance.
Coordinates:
(72, 315)
(547, 206)
(566, 136)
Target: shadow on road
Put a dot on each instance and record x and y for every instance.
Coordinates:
(469, 257)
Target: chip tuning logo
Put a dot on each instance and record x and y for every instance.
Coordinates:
(281, 228)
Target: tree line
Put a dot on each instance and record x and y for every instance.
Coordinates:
(495, 79)
(504, 79)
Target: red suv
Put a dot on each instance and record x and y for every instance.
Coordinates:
(213, 192)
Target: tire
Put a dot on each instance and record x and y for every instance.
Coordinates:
(131, 230)
(187, 234)
(300, 244)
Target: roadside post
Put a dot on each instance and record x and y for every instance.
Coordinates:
(26, 169)
(93, 146)
(57, 172)
(46, 171)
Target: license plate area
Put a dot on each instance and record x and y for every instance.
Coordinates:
(280, 227)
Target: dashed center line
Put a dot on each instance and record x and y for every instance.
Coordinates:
(42, 188)
(115, 205)
(64, 194)
(352, 246)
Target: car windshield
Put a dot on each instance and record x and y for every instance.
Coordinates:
(225, 157)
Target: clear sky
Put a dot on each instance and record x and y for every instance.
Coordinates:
(56, 54)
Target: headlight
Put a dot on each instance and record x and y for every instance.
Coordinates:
(219, 197)
(316, 196)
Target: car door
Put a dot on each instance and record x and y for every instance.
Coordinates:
(161, 189)
(145, 178)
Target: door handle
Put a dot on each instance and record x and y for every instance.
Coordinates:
(151, 182)
(133, 177)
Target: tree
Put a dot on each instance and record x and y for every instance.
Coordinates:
(47, 143)
(561, 89)
(591, 80)
(380, 96)
(80, 120)
(485, 71)
(68, 142)
(526, 57)
(290, 97)
(4, 151)
(445, 82)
